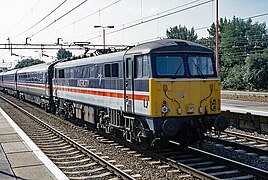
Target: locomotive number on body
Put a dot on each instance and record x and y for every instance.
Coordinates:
(82, 83)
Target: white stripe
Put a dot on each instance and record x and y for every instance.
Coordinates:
(27, 84)
(37, 151)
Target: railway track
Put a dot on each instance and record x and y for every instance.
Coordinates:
(191, 164)
(75, 160)
(216, 167)
(200, 164)
(249, 143)
(140, 167)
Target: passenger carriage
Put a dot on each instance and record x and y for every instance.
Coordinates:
(9, 80)
(34, 84)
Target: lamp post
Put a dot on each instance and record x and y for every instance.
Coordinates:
(103, 33)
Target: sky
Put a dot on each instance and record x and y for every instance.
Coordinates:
(134, 21)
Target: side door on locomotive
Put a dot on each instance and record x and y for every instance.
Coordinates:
(129, 105)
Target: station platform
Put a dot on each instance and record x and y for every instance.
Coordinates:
(20, 158)
(244, 107)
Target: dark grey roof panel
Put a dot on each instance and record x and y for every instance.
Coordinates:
(169, 45)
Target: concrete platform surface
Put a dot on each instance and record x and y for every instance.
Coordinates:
(20, 158)
(255, 108)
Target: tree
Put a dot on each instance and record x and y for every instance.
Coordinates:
(239, 40)
(63, 54)
(28, 62)
(181, 33)
(257, 70)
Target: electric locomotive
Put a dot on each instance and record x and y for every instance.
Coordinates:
(160, 90)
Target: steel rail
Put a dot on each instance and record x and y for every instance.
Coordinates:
(237, 144)
(237, 165)
(172, 163)
(120, 173)
(247, 137)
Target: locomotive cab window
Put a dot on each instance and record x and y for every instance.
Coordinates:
(142, 68)
(169, 66)
(200, 66)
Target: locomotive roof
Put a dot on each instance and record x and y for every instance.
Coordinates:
(112, 57)
(164, 45)
(168, 45)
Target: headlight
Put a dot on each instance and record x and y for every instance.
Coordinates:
(190, 108)
(165, 109)
(213, 104)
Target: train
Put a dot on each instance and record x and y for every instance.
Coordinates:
(157, 91)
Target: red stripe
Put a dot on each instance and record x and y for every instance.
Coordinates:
(13, 83)
(100, 93)
(34, 85)
(85, 91)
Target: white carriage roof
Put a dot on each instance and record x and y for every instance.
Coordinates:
(35, 68)
(13, 71)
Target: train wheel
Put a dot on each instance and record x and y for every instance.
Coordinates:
(141, 137)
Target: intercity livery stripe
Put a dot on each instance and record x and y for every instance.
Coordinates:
(34, 85)
(101, 93)
(9, 83)
(27, 85)
(85, 91)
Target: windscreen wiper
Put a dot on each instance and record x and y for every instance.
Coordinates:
(197, 68)
(178, 69)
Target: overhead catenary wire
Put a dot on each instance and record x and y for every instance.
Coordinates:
(41, 19)
(59, 18)
(180, 6)
(87, 16)
(140, 21)
(264, 14)
(155, 18)
(21, 19)
(256, 16)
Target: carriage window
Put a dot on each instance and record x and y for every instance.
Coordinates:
(85, 72)
(67, 73)
(61, 73)
(91, 71)
(107, 70)
(99, 70)
(199, 66)
(115, 70)
(169, 65)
